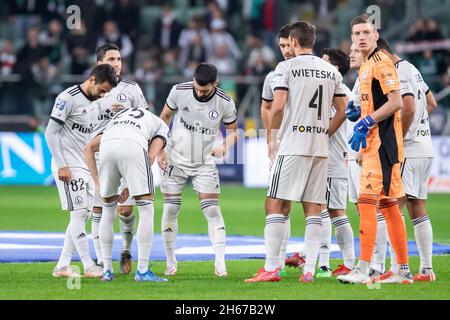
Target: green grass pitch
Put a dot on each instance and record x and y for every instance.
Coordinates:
(37, 208)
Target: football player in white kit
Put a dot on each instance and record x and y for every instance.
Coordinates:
(305, 88)
(266, 104)
(67, 133)
(418, 103)
(127, 94)
(337, 185)
(198, 107)
(128, 147)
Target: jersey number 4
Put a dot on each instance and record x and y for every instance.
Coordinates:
(316, 101)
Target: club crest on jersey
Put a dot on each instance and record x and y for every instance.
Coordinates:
(121, 97)
(213, 114)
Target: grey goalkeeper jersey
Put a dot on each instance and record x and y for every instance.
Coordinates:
(196, 123)
(71, 110)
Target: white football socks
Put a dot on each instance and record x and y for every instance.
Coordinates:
(144, 233)
(273, 236)
(313, 235)
(216, 230)
(107, 234)
(95, 224)
(127, 230)
(68, 249)
(423, 233)
(345, 240)
(284, 243)
(169, 227)
(78, 233)
(325, 243)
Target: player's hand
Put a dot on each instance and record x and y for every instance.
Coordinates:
(64, 174)
(124, 195)
(352, 112)
(359, 159)
(219, 151)
(273, 149)
(360, 133)
(162, 160)
(117, 107)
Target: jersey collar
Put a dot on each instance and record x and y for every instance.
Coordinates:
(373, 52)
(84, 94)
(209, 99)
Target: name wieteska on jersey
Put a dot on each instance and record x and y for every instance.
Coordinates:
(72, 110)
(312, 83)
(196, 123)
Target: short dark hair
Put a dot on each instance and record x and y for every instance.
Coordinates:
(104, 72)
(284, 31)
(362, 18)
(101, 51)
(205, 73)
(338, 58)
(383, 44)
(304, 32)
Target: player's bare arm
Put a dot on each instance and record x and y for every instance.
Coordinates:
(155, 147)
(393, 104)
(338, 119)
(265, 111)
(408, 111)
(275, 118)
(230, 141)
(166, 114)
(89, 154)
(431, 102)
(54, 143)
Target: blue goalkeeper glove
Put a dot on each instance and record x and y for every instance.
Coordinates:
(352, 112)
(360, 133)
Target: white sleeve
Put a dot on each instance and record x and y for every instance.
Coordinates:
(281, 77)
(53, 139)
(171, 99)
(340, 90)
(229, 114)
(267, 93)
(405, 84)
(139, 98)
(62, 108)
(355, 93)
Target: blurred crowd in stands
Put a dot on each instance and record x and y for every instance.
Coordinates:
(159, 39)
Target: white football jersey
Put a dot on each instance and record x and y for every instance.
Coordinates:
(355, 97)
(135, 124)
(339, 148)
(417, 141)
(127, 93)
(196, 123)
(311, 84)
(71, 110)
(267, 92)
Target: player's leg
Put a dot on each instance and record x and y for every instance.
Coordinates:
(62, 268)
(371, 184)
(138, 174)
(283, 188)
(205, 181)
(313, 199)
(109, 180)
(95, 225)
(377, 264)
(171, 187)
(415, 176)
(324, 270)
(127, 227)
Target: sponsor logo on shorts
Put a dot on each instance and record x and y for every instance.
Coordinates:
(309, 129)
(390, 82)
